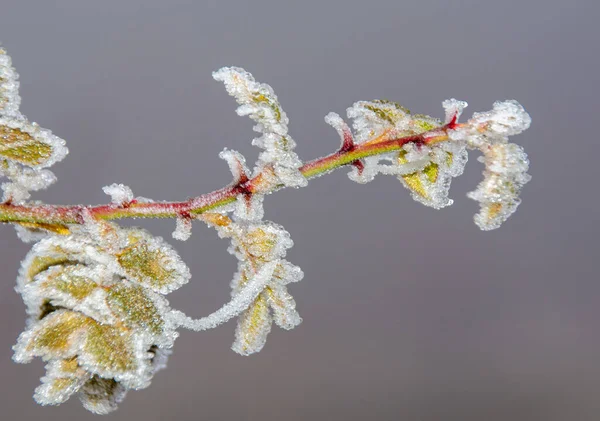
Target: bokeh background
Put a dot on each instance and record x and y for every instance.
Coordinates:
(409, 313)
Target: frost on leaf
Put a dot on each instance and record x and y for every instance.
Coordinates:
(25, 148)
(506, 164)
(434, 153)
(96, 312)
(151, 262)
(504, 177)
(259, 102)
(101, 396)
(438, 165)
(426, 170)
(256, 246)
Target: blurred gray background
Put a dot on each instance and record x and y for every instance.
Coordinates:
(409, 313)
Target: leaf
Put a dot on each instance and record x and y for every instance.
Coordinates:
(253, 327)
(430, 185)
(373, 120)
(134, 306)
(257, 100)
(29, 144)
(101, 396)
(63, 378)
(34, 264)
(283, 306)
(152, 263)
(109, 349)
(57, 335)
(9, 86)
(20, 146)
(75, 281)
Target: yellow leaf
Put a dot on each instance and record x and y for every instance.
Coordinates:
(152, 263)
(109, 347)
(132, 304)
(57, 334)
(253, 327)
(69, 280)
(20, 146)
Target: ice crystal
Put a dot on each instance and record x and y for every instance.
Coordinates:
(120, 194)
(183, 228)
(256, 245)
(95, 292)
(259, 102)
(237, 305)
(507, 118)
(506, 164)
(97, 313)
(25, 147)
(425, 170)
(427, 164)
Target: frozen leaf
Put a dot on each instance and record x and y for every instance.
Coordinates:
(25, 147)
(253, 328)
(108, 350)
(58, 335)
(430, 185)
(73, 286)
(90, 298)
(504, 177)
(9, 86)
(74, 281)
(378, 118)
(136, 307)
(24, 143)
(506, 164)
(63, 378)
(257, 246)
(152, 263)
(379, 121)
(259, 102)
(507, 118)
(283, 306)
(101, 396)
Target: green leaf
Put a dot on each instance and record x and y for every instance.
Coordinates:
(152, 263)
(133, 305)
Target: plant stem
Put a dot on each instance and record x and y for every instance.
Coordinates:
(63, 215)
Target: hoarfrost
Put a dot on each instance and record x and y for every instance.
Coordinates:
(506, 164)
(183, 228)
(97, 313)
(120, 194)
(259, 102)
(25, 147)
(260, 281)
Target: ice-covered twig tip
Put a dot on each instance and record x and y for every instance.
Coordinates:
(95, 292)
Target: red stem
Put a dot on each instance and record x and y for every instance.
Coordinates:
(347, 155)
